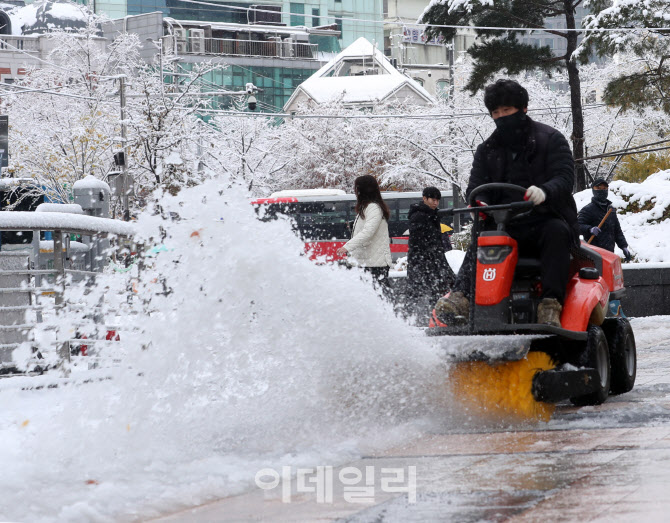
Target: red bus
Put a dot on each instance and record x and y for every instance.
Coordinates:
(323, 217)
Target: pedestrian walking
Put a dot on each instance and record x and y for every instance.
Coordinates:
(429, 275)
(370, 243)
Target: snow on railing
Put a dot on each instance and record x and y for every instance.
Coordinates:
(41, 269)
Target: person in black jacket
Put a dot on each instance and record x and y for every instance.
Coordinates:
(429, 275)
(592, 214)
(537, 157)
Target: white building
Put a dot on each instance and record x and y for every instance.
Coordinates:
(360, 76)
(23, 38)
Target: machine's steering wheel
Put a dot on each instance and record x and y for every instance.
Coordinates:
(504, 212)
(495, 186)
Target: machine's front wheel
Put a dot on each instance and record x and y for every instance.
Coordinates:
(623, 355)
(596, 355)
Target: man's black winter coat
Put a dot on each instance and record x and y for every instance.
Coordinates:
(545, 161)
(428, 272)
(591, 215)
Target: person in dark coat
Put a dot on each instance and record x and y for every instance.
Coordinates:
(429, 275)
(538, 158)
(592, 214)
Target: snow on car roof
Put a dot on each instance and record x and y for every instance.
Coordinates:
(72, 208)
(307, 192)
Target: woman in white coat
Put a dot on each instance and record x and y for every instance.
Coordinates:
(369, 243)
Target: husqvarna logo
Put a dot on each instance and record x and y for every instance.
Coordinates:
(489, 274)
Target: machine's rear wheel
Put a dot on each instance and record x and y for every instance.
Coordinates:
(623, 354)
(596, 355)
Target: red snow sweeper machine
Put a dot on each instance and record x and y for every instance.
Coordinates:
(503, 363)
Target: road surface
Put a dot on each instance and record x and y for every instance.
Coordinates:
(606, 463)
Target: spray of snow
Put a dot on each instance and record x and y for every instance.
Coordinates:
(254, 358)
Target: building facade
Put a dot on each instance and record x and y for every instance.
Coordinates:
(426, 61)
(275, 45)
(275, 58)
(23, 42)
(353, 18)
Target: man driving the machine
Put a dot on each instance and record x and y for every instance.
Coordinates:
(538, 158)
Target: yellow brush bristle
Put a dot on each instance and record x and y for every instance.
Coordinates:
(502, 390)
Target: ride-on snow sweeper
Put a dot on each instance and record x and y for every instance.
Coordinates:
(504, 363)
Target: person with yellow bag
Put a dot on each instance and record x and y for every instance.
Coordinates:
(429, 275)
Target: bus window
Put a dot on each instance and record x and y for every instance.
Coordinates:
(399, 227)
(447, 203)
(323, 221)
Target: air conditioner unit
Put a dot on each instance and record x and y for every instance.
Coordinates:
(182, 47)
(168, 44)
(197, 41)
(288, 48)
(180, 33)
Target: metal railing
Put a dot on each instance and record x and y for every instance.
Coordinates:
(23, 282)
(276, 49)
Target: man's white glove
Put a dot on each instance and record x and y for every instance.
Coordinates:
(535, 195)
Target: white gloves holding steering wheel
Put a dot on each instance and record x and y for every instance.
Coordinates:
(535, 195)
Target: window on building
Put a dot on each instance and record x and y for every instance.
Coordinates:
(338, 22)
(316, 21)
(356, 67)
(296, 11)
(442, 89)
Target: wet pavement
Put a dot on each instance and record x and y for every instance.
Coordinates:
(605, 463)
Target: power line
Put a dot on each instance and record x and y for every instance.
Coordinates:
(426, 116)
(629, 151)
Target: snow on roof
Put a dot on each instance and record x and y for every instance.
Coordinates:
(72, 208)
(43, 16)
(358, 89)
(21, 17)
(307, 192)
(68, 11)
(50, 221)
(252, 28)
(12, 183)
(91, 182)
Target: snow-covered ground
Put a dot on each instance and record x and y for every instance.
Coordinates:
(255, 358)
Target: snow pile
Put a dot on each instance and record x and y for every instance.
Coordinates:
(255, 357)
(92, 183)
(644, 213)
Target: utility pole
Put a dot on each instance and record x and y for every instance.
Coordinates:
(455, 189)
(124, 167)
